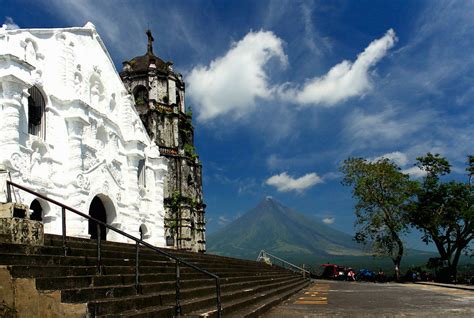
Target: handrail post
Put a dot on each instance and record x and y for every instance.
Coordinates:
(137, 273)
(9, 192)
(304, 273)
(99, 254)
(218, 297)
(63, 222)
(178, 295)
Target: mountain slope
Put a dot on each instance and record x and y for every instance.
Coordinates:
(282, 231)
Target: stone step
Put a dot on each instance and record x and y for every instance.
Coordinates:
(245, 285)
(189, 289)
(108, 263)
(38, 271)
(40, 259)
(67, 282)
(56, 240)
(91, 253)
(233, 307)
(201, 298)
(147, 312)
(266, 302)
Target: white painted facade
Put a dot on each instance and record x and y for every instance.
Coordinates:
(91, 139)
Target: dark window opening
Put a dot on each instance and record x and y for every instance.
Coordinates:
(37, 214)
(19, 213)
(97, 211)
(143, 231)
(141, 95)
(36, 107)
(141, 173)
(178, 99)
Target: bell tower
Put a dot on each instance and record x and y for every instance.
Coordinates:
(159, 99)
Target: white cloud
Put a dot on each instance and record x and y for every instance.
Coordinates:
(401, 160)
(223, 220)
(344, 80)
(386, 125)
(233, 82)
(397, 157)
(329, 220)
(414, 172)
(313, 40)
(9, 24)
(285, 183)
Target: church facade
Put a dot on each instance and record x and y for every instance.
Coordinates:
(69, 129)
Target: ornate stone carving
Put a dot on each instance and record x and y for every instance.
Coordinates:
(78, 85)
(112, 103)
(83, 182)
(90, 158)
(13, 90)
(19, 163)
(116, 171)
(106, 187)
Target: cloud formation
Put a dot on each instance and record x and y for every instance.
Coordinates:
(374, 129)
(344, 80)
(401, 160)
(329, 220)
(414, 172)
(285, 183)
(9, 24)
(232, 83)
(397, 157)
(222, 220)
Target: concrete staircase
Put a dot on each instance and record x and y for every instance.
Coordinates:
(247, 287)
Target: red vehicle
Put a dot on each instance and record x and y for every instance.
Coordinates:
(334, 271)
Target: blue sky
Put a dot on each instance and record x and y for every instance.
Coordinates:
(284, 91)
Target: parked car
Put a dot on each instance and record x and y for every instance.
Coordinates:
(334, 271)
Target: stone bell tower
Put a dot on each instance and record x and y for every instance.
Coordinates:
(159, 100)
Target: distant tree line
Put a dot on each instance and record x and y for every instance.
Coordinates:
(388, 203)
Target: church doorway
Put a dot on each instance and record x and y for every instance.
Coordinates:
(37, 214)
(97, 211)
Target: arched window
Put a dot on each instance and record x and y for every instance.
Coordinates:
(141, 173)
(141, 95)
(36, 116)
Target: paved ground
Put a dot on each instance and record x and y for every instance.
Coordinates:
(354, 299)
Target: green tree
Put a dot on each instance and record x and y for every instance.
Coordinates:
(382, 193)
(444, 211)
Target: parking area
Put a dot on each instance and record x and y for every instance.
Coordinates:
(360, 299)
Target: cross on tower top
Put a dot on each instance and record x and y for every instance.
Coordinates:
(150, 42)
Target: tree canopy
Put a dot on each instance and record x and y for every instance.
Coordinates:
(444, 211)
(383, 194)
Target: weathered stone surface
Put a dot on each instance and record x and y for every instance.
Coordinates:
(171, 129)
(21, 231)
(10, 210)
(19, 298)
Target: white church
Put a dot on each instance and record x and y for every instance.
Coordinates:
(69, 130)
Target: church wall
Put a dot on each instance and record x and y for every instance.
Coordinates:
(93, 138)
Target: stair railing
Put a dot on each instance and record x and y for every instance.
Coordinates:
(264, 256)
(138, 242)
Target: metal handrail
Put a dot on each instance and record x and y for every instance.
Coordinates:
(263, 254)
(137, 244)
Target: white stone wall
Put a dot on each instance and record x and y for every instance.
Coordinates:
(94, 137)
